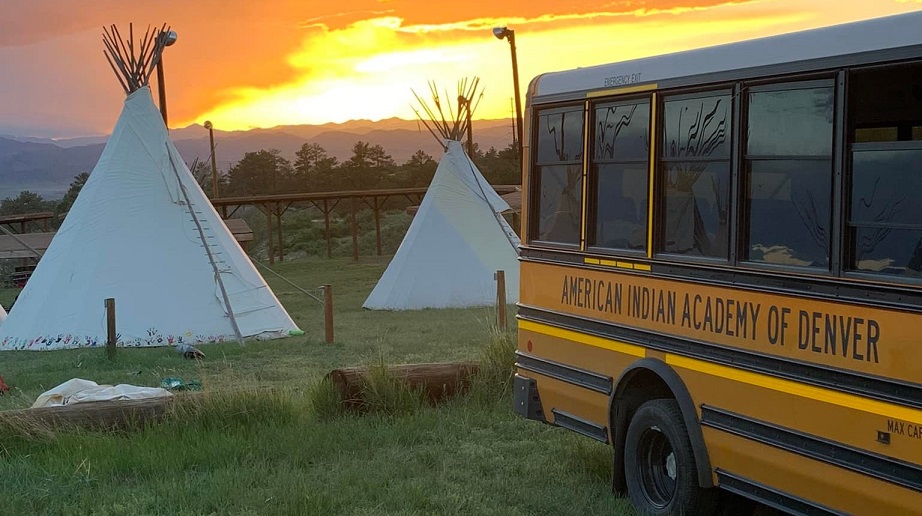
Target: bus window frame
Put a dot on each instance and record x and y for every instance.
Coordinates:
(534, 183)
(591, 206)
(847, 234)
(659, 193)
(789, 83)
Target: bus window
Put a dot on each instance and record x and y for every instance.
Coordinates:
(559, 175)
(621, 150)
(789, 175)
(696, 175)
(886, 216)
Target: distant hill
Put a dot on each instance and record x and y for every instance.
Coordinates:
(47, 166)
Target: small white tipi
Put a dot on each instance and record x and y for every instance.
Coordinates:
(2, 314)
(458, 238)
(457, 241)
(142, 232)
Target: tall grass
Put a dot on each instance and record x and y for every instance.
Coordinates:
(260, 440)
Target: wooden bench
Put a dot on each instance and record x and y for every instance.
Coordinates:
(241, 231)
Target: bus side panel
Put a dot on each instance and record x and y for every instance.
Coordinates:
(565, 363)
(847, 491)
(768, 430)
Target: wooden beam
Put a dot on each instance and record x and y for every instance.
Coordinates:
(97, 415)
(326, 225)
(278, 216)
(269, 235)
(438, 381)
(377, 224)
(355, 233)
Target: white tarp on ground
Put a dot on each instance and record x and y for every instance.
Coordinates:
(131, 236)
(455, 244)
(79, 391)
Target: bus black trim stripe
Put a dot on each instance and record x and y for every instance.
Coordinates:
(901, 297)
(580, 426)
(565, 373)
(883, 389)
(837, 454)
(772, 497)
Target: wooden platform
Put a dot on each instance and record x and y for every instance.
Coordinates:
(11, 249)
(241, 231)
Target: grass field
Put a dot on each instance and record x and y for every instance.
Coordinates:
(263, 449)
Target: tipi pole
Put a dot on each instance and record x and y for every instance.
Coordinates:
(201, 234)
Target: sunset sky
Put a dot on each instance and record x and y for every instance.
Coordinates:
(245, 63)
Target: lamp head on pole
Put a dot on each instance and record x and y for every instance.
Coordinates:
(501, 32)
(168, 37)
(208, 124)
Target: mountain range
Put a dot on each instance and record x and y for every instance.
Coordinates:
(46, 167)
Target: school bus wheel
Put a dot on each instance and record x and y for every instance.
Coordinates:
(659, 463)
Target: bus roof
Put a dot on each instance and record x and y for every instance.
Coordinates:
(887, 34)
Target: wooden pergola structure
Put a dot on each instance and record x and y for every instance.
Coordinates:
(274, 206)
(20, 223)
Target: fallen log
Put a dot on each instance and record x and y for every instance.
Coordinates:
(437, 381)
(94, 415)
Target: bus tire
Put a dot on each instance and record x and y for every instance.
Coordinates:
(659, 464)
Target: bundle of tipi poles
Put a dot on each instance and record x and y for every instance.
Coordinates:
(457, 122)
(132, 64)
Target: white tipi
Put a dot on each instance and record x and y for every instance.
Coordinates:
(142, 232)
(455, 244)
(2, 314)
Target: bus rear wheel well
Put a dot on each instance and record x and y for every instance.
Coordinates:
(645, 380)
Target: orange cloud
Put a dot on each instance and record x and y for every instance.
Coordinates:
(243, 64)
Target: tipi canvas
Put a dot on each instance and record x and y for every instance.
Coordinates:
(2, 314)
(455, 244)
(135, 234)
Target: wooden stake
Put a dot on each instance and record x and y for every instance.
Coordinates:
(328, 312)
(112, 337)
(501, 298)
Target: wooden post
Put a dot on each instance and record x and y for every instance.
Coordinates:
(377, 225)
(501, 298)
(355, 234)
(269, 235)
(328, 312)
(111, 338)
(278, 216)
(326, 225)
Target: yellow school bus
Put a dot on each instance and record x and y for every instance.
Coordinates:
(721, 269)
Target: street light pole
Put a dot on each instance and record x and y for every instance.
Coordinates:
(214, 166)
(501, 33)
(167, 38)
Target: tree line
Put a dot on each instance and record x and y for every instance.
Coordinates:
(267, 172)
(370, 167)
